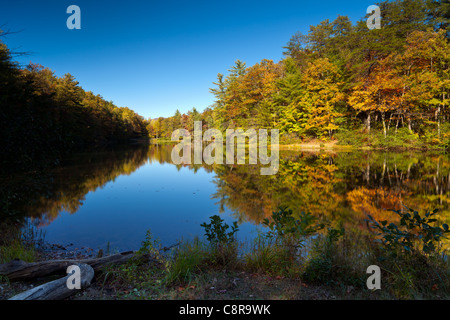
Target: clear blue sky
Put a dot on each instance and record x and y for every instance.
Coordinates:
(157, 56)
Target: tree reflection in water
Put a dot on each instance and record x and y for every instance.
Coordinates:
(342, 187)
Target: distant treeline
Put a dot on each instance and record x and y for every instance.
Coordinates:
(343, 81)
(44, 116)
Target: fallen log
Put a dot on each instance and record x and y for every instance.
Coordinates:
(58, 289)
(18, 270)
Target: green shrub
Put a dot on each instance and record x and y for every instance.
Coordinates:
(395, 139)
(321, 266)
(352, 138)
(272, 259)
(277, 251)
(415, 232)
(149, 248)
(223, 243)
(288, 230)
(217, 231)
(403, 138)
(187, 260)
(412, 255)
(20, 242)
(290, 138)
(17, 250)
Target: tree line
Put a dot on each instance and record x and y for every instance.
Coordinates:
(44, 116)
(341, 81)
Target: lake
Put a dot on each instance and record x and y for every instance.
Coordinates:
(111, 198)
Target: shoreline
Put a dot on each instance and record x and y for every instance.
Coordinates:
(335, 146)
(328, 146)
(195, 271)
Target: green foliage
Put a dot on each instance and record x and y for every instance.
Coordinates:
(149, 245)
(187, 260)
(402, 139)
(285, 227)
(149, 248)
(134, 279)
(415, 232)
(223, 243)
(217, 233)
(272, 259)
(17, 250)
(352, 138)
(412, 254)
(20, 243)
(277, 251)
(323, 265)
(395, 139)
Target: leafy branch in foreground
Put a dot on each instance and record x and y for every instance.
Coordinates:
(286, 227)
(415, 232)
(216, 231)
(222, 241)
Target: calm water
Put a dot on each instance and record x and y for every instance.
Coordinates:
(116, 196)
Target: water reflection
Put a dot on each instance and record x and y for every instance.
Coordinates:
(115, 196)
(342, 187)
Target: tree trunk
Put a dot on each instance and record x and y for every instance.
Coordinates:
(367, 175)
(436, 117)
(368, 121)
(58, 289)
(18, 270)
(396, 125)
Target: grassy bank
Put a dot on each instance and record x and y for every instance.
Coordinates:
(297, 257)
(19, 242)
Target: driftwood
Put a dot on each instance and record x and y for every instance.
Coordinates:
(58, 289)
(170, 247)
(18, 270)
